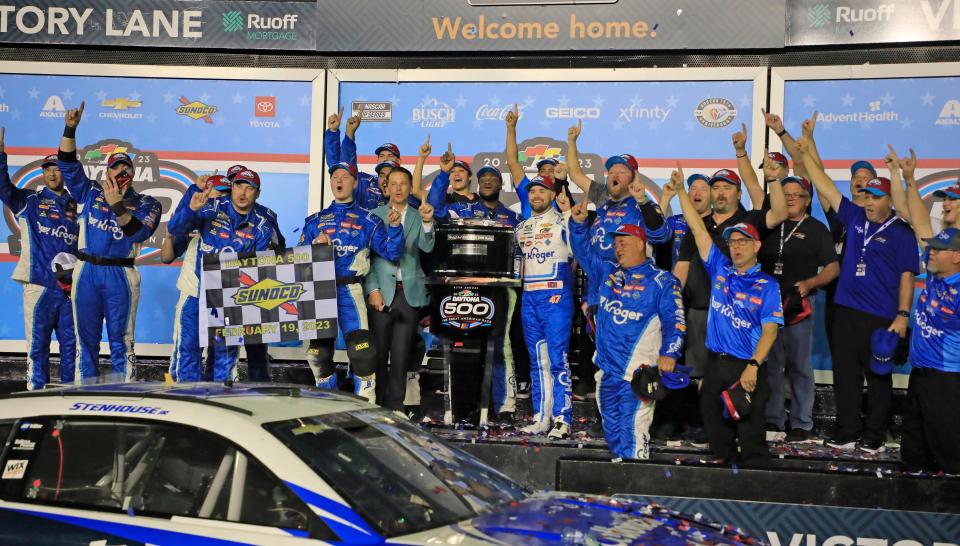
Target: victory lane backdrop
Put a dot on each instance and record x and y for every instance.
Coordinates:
(174, 129)
(268, 297)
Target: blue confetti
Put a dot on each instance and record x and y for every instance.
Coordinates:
(735, 470)
(666, 472)
(214, 312)
(655, 25)
(130, 511)
(296, 230)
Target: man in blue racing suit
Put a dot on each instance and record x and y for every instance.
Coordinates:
(47, 219)
(114, 221)
(368, 192)
(547, 309)
(640, 322)
(354, 232)
(229, 223)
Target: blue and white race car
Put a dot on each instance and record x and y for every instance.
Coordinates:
(207, 464)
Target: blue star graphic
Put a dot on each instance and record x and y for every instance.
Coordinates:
(672, 101)
(635, 101)
(461, 102)
(394, 100)
(887, 99)
(598, 101)
(809, 101)
(135, 95)
(927, 99)
(67, 94)
(34, 93)
(101, 95)
(495, 100)
(168, 97)
(305, 100)
(564, 101)
(237, 98)
(205, 97)
(847, 99)
(906, 123)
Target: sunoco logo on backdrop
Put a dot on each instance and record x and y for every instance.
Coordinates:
(196, 110)
(268, 294)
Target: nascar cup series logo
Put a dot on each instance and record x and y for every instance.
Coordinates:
(432, 113)
(715, 113)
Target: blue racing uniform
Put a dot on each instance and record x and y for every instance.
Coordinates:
(48, 226)
(220, 229)
(613, 214)
(106, 284)
(935, 339)
(677, 227)
(547, 312)
(639, 318)
(354, 232)
(503, 378)
(367, 194)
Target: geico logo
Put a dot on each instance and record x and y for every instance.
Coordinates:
(727, 311)
(570, 113)
(272, 23)
(615, 308)
(541, 257)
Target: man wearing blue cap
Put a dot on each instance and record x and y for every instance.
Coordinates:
(353, 232)
(931, 437)
(369, 191)
(742, 324)
(637, 302)
(875, 291)
(114, 221)
(698, 188)
(47, 218)
(224, 224)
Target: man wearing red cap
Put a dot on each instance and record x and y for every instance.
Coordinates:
(742, 324)
(47, 218)
(875, 291)
(114, 220)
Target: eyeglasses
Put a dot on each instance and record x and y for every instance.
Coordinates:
(796, 195)
(739, 242)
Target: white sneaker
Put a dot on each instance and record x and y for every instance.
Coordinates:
(536, 428)
(560, 431)
(401, 415)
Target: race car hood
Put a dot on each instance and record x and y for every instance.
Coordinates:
(559, 518)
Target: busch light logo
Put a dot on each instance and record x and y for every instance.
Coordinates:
(540, 257)
(432, 113)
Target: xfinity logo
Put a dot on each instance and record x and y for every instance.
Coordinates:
(633, 113)
(572, 113)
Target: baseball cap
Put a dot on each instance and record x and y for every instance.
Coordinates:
(220, 182)
(490, 169)
(380, 166)
(857, 165)
(953, 192)
(234, 169)
(464, 165)
(629, 229)
(803, 182)
(744, 228)
(345, 166)
(697, 176)
(883, 345)
(622, 159)
(948, 239)
(679, 378)
(116, 159)
(646, 383)
(248, 176)
(736, 402)
(388, 147)
(546, 182)
(877, 186)
(49, 160)
(547, 161)
(777, 157)
(725, 175)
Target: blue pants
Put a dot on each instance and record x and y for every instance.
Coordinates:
(105, 293)
(626, 418)
(187, 359)
(790, 354)
(46, 310)
(547, 323)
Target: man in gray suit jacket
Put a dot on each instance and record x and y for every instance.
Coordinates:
(397, 290)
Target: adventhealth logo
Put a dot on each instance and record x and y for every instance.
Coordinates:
(819, 15)
(260, 27)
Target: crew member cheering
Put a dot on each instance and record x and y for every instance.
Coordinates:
(639, 323)
(114, 221)
(742, 324)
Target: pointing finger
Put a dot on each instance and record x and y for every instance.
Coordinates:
(82, 104)
(744, 125)
(516, 109)
(579, 125)
(913, 155)
(340, 113)
(428, 139)
(449, 148)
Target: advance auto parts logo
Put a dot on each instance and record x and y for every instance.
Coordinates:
(196, 110)
(715, 113)
(466, 310)
(269, 294)
(262, 28)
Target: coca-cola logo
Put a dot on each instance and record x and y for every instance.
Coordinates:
(488, 112)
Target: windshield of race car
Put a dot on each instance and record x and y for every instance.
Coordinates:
(397, 477)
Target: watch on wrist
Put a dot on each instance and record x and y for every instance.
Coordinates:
(903, 313)
(781, 133)
(753, 362)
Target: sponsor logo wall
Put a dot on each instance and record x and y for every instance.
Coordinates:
(174, 129)
(821, 22)
(658, 122)
(856, 119)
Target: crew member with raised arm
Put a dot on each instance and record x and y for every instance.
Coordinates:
(114, 221)
(369, 192)
(742, 324)
(875, 291)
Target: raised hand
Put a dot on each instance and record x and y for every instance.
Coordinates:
(197, 200)
(740, 139)
(111, 192)
(353, 122)
(393, 218)
(513, 116)
(803, 146)
(425, 148)
(677, 180)
(773, 121)
(573, 133)
(426, 212)
(72, 117)
(447, 159)
(892, 159)
(201, 181)
(638, 190)
(563, 202)
(809, 125)
(909, 165)
(579, 211)
(333, 122)
(560, 171)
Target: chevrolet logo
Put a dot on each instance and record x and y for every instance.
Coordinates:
(121, 104)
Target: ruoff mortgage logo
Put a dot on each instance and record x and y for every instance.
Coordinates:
(819, 15)
(269, 294)
(262, 28)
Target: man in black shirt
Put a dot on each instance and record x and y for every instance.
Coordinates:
(801, 256)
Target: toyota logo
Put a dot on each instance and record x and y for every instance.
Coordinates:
(265, 107)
